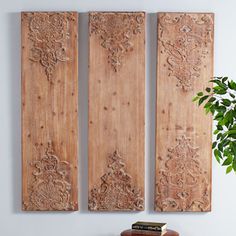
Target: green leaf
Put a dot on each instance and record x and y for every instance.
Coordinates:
(207, 110)
(207, 107)
(223, 135)
(233, 136)
(195, 98)
(218, 159)
(230, 132)
(227, 152)
(234, 164)
(219, 136)
(202, 99)
(232, 85)
(219, 127)
(212, 99)
(229, 169)
(200, 94)
(214, 145)
(216, 131)
(219, 114)
(233, 147)
(220, 147)
(219, 90)
(219, 83)
(228, 118)
(225, 142)
(226, 102)
(224, 79)
(212, 109)
(217, 153)
(228, 161)
(208, 90)
(208, 104)
(221, 109)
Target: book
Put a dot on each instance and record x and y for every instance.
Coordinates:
(150, 226)
(148, 232)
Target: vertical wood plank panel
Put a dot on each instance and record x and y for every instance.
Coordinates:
(49, 110)
(116, 111)
(183, 133)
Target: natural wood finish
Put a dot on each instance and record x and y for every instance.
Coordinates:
(131, 232)
(116, 111)
(183, 131)
(49, 110)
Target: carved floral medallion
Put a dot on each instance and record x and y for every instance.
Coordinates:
(50, 188)
(115, 190)
(185, 39)
(182, 184)
(49, 33)
(116, 30)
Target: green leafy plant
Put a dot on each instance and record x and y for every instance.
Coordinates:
(221, 103)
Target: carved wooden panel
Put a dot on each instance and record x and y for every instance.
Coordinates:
(49, 110)
(183, 134)
(116, 111)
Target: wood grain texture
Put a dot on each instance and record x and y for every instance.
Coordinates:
(132, 232)
(183, 131)
(49, 111)
(116, 111)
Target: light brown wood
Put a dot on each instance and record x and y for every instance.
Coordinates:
(116, 111)
(183, 131)
(49, 111)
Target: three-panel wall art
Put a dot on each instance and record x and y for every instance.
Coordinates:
(116, 120)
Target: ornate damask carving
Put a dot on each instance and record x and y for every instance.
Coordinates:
(185, 39)
(115, 31)
(182, 184)
(50, 188)
(49, 33)
(115, 192)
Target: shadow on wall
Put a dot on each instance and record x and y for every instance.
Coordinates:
(83, 112)
(15, 106)
(151, 50)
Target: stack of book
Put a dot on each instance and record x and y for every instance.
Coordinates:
(161, 228)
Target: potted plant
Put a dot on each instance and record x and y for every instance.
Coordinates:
(220, 101)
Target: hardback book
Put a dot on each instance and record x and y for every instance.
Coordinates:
(150, 226)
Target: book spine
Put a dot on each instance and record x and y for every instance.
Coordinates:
(146, 227)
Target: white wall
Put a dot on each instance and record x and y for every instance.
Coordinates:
(83, 223)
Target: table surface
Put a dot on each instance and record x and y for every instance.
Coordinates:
(131, 232)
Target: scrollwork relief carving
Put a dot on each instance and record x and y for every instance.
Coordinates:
(185, 39)
(182, 184)
(116, 30)
(50, 188)
(49, 33)
(115, 191)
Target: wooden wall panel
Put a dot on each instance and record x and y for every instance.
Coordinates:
(49, 110)
(116, 111)
(183, 133)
